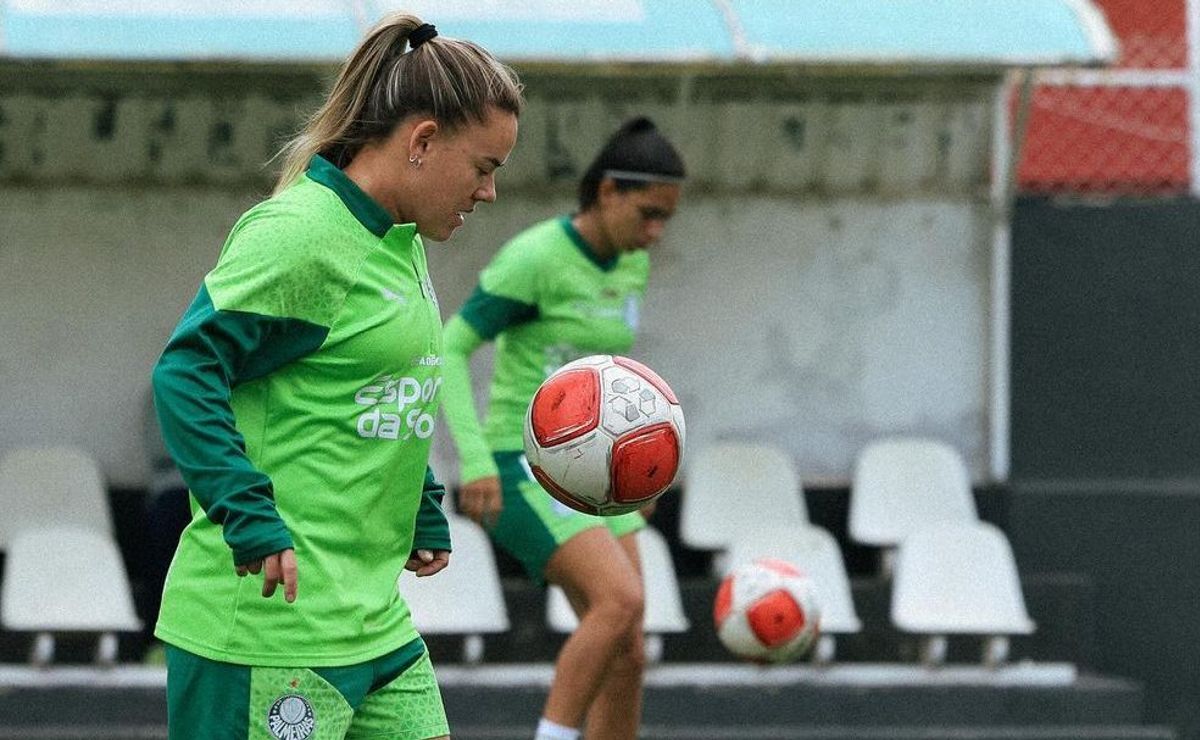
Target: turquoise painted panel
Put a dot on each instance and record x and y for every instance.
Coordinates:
(838, 31)
(629, 29)
(167, 37)
(663, 30)
(921, 30)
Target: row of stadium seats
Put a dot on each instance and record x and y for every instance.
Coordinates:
(951, 574)
(64, 573)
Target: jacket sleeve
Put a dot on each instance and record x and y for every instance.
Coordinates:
(458, 404)
(209, 353)
(481, 319)
(250, 317)
(432, 530)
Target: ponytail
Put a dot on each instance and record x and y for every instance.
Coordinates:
(390, 76)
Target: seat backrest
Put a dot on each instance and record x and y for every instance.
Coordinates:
(664, 612)
(814, 551)
(42, 486)
(464, 598)
(958, 578)
(732, 488)
(65, 579)
(902, 484)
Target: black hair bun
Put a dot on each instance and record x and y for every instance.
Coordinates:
(637, 125)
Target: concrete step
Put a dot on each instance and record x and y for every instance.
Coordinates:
(677, 698)
(658, 732)
(792, 732)
(799, 701)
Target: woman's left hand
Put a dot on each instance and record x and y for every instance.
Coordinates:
(427, 562)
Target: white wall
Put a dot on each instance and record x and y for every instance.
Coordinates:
(91, 284)
(816, 325)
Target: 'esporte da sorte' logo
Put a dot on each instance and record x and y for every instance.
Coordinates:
(291, 718)
(400, 407)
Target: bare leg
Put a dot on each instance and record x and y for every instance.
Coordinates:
(616, 712)
(598, 577)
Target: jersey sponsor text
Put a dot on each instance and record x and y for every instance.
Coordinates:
(401, 406)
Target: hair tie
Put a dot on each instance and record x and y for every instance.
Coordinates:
(642, 176)
(421, 34)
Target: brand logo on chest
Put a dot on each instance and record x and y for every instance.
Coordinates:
(400, 407)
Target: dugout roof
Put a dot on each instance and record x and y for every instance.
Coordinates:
(894, 33)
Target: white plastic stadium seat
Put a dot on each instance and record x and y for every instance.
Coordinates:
(664, 607)
(732, 488)
(42, 486)
(959, 578)
(817, 553)
(465, 598)
(66, 579)
(903, 484)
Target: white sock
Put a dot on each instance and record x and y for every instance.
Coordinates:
(548, 730)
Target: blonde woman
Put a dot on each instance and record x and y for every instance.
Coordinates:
(297, 396)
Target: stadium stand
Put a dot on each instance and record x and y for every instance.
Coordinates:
(895, 104)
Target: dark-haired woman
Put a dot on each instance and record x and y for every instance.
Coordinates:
(562, 289)
(297, 396)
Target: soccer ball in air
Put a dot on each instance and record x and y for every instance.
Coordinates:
(766, 611)
(604, 435)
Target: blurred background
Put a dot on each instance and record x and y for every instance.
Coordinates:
(966, 221)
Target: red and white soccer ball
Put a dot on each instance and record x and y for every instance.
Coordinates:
(604, 435)
(766, 611)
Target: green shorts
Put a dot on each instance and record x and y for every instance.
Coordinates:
(533, 524)
(394, 696)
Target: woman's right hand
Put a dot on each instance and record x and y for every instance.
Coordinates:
(481, 500)
(277, 568)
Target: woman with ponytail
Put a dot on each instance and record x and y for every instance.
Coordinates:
(297, 397)
(562, 289)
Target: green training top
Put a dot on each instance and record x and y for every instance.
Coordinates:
(297, 395)
(546, 299)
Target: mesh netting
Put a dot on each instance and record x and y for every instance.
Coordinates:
(1121, 130)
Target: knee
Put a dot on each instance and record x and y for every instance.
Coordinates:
(631, 605)
(622, 610)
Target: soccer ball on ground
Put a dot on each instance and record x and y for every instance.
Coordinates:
(604, 435)
(766, 611)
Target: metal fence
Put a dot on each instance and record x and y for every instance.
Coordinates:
(1127, 130)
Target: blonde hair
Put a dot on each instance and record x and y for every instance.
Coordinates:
(383, 81)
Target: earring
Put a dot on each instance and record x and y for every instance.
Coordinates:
(414, 161)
